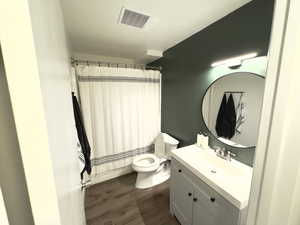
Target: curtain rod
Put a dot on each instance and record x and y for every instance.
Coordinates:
(110, 64)
(232, 92)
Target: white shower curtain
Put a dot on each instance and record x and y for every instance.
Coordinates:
(121, 111)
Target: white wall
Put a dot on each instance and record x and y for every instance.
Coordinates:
(12, 177)
(54, 65)
(37, 66)
(253, 98)
(84, 56)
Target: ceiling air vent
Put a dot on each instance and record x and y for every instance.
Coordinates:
(132, 18)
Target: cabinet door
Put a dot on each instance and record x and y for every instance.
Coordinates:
(205, 210)
(210, 209)
(182, 191)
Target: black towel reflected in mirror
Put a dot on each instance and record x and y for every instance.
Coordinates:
(226, 119)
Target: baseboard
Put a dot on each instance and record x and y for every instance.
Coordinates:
(111, 174)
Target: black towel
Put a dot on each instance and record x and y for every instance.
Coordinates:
(220, 118)
(230, 118)
(85, 146)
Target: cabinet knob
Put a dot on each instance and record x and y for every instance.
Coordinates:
(195, 199)
(212, 199)
(179, 170)
(190, 194)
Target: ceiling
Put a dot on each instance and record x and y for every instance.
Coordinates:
(93, 26)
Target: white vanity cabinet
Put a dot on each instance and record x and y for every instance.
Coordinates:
(193, 202)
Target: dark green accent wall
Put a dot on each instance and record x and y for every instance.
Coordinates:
(186, 67)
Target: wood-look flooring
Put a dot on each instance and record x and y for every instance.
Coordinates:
(118, 202)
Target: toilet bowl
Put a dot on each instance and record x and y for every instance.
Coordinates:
(153, 169)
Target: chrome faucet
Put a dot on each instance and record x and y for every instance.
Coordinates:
(224, 154)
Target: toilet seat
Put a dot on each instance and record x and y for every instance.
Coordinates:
(146, 163)
(153, 169)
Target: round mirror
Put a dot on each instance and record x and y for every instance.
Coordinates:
(231, 108)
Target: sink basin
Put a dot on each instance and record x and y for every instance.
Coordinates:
(207, 160)
(231, 179)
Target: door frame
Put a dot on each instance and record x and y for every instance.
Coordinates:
(22, 73)
(3, 213)
(275, 192)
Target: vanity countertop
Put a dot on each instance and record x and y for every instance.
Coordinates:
(231, 179)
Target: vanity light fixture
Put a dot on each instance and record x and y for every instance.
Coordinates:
(235, 61)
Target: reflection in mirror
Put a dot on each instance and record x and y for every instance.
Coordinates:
(231, 108)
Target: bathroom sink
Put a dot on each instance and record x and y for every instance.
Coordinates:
(231, 179)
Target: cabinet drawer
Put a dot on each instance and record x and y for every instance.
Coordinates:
(176, 168)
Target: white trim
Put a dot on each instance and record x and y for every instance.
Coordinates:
(3, 214)
(275, 190)
(160, 103)
(18, 47)
(267, 109)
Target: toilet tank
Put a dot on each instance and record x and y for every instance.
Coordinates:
(164, 144)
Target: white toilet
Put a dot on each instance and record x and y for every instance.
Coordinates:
(153, 169)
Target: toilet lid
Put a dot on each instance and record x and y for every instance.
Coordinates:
(145, 160)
